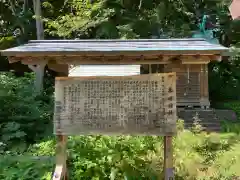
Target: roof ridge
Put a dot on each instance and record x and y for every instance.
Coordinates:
(115, 40)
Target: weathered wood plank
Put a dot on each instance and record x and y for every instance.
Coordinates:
(144, 104)
(60, 171)
(168, 158)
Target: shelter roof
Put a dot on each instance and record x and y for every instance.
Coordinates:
(122, 47)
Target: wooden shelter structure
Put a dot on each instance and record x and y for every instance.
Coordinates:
(181, 62)
(189, 58)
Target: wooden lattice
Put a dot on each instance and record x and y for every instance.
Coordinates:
(141, 104)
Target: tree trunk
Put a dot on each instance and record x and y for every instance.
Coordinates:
(39, 75)
(38, 15)
(39, 69)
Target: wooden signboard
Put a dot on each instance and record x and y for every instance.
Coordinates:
(139, 104)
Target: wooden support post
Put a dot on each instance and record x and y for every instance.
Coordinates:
(150, 68)
(202, 86)
(168, 158)
(204, 98)
(206, 89)
(39, 72)
(60, 172)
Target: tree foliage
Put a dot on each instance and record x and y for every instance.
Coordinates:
(17, 19)
(126, 19)
(23, 116)
(118, 18)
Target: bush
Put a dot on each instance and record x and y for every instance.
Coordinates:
(224, 81)
(25, 167)
(233, 105)
(229, 127)
(23, 115)
(198, 156)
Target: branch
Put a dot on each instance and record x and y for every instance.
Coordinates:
(140, 5)
(12, 7)
(25, 5)
(38, 16)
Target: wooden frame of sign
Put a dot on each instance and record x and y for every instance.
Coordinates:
(139, 104)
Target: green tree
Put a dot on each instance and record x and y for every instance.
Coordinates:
(125, 19)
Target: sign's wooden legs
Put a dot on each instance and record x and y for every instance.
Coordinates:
(60, 172)
(168, 158)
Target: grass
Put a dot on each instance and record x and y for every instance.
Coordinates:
(198, 156)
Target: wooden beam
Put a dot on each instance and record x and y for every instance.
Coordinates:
(28, 60)
(58, 172)
(113, 53)
(168, 158)
(112, 60)
(116, 59)
(61, 159)
(195, 59)
(13, 59)
(215, 58)
(195, 62)
(35, 60)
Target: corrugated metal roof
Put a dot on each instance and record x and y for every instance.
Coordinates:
(105, 70)
(68, 47)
